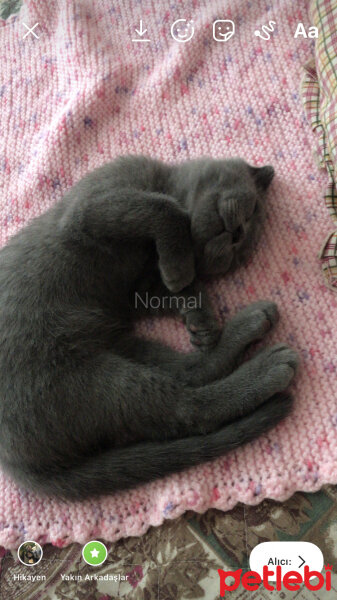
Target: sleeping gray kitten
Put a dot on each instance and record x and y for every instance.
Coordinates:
(88, 408)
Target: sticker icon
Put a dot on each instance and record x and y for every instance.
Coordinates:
(223, 30)
(94, 553)
(182, 30)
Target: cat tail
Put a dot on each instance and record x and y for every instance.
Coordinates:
(127, 467)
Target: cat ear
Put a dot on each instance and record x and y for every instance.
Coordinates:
(263, 175)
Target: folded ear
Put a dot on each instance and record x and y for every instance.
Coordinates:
(263, 175)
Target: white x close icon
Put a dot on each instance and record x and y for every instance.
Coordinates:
(30, 30)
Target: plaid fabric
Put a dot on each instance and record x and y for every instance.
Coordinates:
(319, 94)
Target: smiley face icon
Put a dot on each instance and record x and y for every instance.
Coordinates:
(182, 30)
(223, 30)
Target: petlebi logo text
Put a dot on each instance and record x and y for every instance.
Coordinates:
(292, 580)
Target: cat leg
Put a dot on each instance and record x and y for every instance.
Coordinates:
(125, 468)
(199, 319)
(138, 402)
(197, 369)
(124, 214)
(119, 405)
(191, 303)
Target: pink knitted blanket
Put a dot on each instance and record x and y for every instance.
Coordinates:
(82, 93)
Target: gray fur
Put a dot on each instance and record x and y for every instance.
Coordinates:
(86, 408)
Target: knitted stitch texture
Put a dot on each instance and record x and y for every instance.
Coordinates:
(84, 93)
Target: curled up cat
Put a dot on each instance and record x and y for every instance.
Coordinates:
(86, 406)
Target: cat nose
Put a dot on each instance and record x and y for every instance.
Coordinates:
(238, 234)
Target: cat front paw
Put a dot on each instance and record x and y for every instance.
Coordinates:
(177, 274)
(203, 329)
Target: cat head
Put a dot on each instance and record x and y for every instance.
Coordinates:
(227, 206)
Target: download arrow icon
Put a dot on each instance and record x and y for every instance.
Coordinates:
(141, 32)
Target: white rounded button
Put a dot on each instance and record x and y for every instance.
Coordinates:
(290, 556)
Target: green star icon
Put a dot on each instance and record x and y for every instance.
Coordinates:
(94, 553)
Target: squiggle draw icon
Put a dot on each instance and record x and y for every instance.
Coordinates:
(266, 29)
